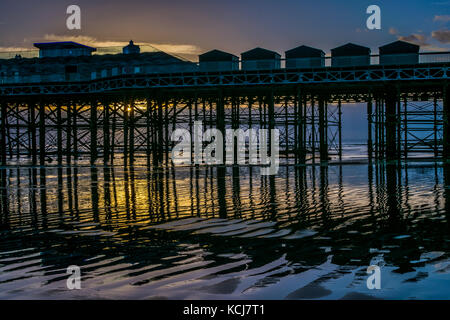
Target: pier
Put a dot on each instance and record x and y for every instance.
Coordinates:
(135, 113)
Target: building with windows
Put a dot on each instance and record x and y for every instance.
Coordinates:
(63, 49)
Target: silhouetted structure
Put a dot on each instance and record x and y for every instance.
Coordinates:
(131, 48)
(350, 54)
(260, 59)
(215, 60)
(63, 49)
(399, 52)
(59, 64)
(304, 57)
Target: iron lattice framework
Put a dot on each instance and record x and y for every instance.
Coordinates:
(136, 114)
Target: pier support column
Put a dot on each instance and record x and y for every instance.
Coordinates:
(301, 124)
(160, 129)
(93, 129)
(59, 133)
(3, 132)
(340, 129)
(323, 147)
(68, 132)
(148, 126)
(125, 132)
(435, 128)
(42, 133)
(405, 128)
(113, 115)
(75, 130)
(377, 129)
(271, 114)
(220, 118)
(313, 130)
(166, 130)
(132, 128)
(369, 127)
(106, 133)
(446, 126)
(391, 124)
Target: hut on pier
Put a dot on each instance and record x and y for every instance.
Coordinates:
(349, 55)
(260, 59)
(216, 60)
(304, 57)
(399, 52)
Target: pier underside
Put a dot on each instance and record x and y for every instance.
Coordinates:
(404, 119)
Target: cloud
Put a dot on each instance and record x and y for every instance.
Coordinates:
(415, 38)
(392, 30)
(432, 48)
(176, 49)
(13, 49)
(443, 36)
(443, 18)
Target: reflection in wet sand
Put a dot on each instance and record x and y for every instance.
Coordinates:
(225, 232)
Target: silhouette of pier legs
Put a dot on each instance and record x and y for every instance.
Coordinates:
(309, 119)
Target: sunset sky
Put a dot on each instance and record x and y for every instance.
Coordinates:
(191, 27)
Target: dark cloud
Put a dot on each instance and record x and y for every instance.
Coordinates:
(443, 36)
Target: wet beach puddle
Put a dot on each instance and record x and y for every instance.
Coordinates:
(203, 233)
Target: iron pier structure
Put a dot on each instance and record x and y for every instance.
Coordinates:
(135, 114)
